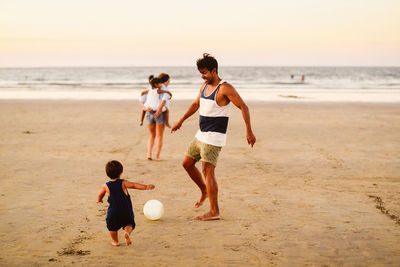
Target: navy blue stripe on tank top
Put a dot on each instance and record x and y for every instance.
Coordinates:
(213, 124)
(212, 96)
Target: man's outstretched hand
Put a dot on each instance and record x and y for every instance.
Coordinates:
(176, 126)
(251, 139)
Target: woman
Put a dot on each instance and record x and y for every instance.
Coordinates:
(164, 86)
(154, 105)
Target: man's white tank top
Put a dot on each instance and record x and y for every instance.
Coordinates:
(213, 119)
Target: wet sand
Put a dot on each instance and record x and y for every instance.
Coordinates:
(320, 187)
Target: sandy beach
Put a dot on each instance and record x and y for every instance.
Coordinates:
(320, 187)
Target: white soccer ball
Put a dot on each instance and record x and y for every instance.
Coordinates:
(153, 209)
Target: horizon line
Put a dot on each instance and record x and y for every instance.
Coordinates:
(193, 66)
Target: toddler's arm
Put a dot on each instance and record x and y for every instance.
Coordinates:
(101, 194)
(161, 91)
(144, 92)
(138, 186)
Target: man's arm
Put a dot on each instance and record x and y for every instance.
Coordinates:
(230, 92)
(191, 110)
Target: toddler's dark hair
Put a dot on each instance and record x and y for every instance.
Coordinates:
(208, 62)
(154, 81)
(164, 77)
(114, 169)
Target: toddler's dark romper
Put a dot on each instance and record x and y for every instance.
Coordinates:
(120, 213)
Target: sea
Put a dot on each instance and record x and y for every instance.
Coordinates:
(295, 84)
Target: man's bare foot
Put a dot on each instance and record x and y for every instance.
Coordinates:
(115, 243)
(167, 124)
(141, 123)
(208, 217)
(127, 239)
(201, 201)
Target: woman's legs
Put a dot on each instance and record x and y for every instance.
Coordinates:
(150, 143)
(167, 118)
(159, 134)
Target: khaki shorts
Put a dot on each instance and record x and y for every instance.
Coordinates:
(198, 150)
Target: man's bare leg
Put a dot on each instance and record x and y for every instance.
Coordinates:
(189, 165)
(128, 231)
(150, 143)
(114, 237)
(212, 192)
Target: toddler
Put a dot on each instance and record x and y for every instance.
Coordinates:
(119, 213)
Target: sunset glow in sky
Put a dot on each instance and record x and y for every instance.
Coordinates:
(175, 32)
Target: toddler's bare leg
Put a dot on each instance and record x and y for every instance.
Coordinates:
(114, 237)
(128, 231)
(142, 117)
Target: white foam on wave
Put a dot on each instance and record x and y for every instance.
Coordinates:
(305, 95)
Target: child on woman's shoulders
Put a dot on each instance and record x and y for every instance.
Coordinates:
(150, 99)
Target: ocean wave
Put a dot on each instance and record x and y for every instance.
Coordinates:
(84, 84)
(182, 78)
(390, 84)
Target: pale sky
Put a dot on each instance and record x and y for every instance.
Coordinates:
(177, 32)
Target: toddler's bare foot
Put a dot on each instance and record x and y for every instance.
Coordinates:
(201, 201)
(127, 239)
(158, 159)
(208, 217)
(115, 244)
(149, 158)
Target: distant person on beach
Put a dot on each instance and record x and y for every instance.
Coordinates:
(119, 213)
(303, 78)
(165, 79)
(213, 101)
(155, 115)
(143, 98)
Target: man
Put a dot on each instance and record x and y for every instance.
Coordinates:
(213, 100)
